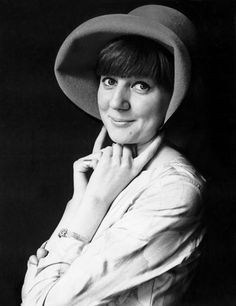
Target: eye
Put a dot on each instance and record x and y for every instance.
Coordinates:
(141, 87)
(109, 82)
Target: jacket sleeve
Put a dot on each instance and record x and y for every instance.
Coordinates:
(158, 232)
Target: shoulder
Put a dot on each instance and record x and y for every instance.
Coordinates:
(174, 189)
(169, 163)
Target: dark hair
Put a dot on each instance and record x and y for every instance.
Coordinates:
(133, 55)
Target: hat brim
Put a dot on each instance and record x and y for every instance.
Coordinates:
(77, 57)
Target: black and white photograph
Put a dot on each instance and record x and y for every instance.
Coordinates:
(118, 153)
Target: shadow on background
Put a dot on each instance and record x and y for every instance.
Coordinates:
(42, 133)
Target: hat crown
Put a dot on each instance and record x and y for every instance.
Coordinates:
(170, 18)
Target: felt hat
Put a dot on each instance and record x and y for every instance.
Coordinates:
(77, 57)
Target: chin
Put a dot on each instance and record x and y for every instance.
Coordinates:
(122, 139)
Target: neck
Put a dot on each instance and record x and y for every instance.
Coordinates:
(141, 147)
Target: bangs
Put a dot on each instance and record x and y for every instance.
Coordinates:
(136, 56)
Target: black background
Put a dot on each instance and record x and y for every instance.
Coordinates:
(42, 133)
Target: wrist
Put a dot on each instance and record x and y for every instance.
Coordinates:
(87, 217)
(95, 200)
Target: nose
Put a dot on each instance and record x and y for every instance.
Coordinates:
(120, 98)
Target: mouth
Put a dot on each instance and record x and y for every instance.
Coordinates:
(120, 122)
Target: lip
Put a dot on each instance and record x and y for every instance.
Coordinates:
(120, 122)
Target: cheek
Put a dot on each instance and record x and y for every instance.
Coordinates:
(152, 118)
(156, 112)
(102, 106)
(150, 126)
(102, 101)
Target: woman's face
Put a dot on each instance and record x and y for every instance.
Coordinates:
(132, 109)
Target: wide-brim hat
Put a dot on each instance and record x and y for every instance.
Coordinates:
(76, 60)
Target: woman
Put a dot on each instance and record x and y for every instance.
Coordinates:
(131, 233)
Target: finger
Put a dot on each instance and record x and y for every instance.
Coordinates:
(86, 163)
(33, 260)
(94, 163)
(141, 160)
(127, 155)
(100, 140)
(107, 153)
(89, 157)
(41, 253)
(94, 156)
(116, 153)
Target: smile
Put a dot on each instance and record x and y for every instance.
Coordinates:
(120, 122)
